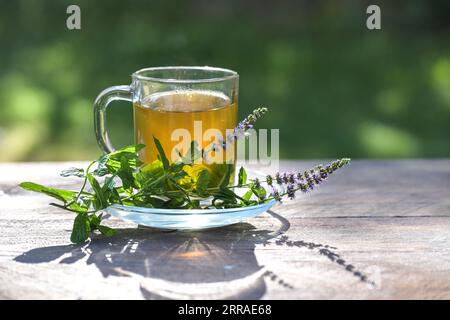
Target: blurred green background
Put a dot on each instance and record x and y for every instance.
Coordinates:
(334, 88)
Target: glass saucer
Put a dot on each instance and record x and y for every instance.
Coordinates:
(186, 219)
(189, 219)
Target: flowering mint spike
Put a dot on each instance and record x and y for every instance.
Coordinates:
(246, 124)
(305, 181)
(240, 131)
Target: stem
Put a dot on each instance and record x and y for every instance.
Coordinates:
(68, 209)
(85, 181)
(82, 188)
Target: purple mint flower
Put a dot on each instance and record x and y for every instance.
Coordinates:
(323, 173)
(292, 178)
(215, 147)
(303, 187)
(241, 126)
(316, 177)
(310, 183)
(246, 124)
(278, 178)
(257, 183)
(275, 194)
(290, 190)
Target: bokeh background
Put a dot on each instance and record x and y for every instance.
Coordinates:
(334, 88)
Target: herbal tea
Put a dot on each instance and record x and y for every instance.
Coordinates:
(161, 114)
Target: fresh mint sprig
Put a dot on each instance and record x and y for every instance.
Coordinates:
(120, 177)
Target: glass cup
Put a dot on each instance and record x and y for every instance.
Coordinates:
(177, 106)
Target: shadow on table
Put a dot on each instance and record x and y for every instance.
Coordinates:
(211, 264)
(218, 263)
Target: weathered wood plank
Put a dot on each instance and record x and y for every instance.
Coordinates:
(379, 230)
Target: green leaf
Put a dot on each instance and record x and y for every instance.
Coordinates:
(202, 183)
(101, 202)
(225, 195)
(113, 161)
(259, 192)
(60, 194)
(175, 203)
(247, 195)
(177, 167)
(101, 169)
(226, 178)
(153, 202)
(106, 231)
(133, 149)
(94, 221)
(114, 196)
(125, 174)
(154, 168)
(242, 178)
(109, 184)
(149, 173)
(76, 172)
(81, 228)
(194, 204)
(162, 155)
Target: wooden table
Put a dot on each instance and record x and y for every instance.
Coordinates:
(377, 229)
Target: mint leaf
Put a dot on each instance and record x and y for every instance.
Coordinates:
(260, 193)
(133, 149)
(226, 178)
(94, 221)
(226, 195)
(76, 172)
(108, 184)
(60, 194)
(100, 202)
(113, 161)
(242, 177)
(162, 155)
(202, 183)
(247, 195)
(81, 228)
(106, 231)
(125, 174)
(175, 203)
(101, 169)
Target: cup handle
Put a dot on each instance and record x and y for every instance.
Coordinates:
(101, 103)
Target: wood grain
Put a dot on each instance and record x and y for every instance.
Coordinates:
(376, 230)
